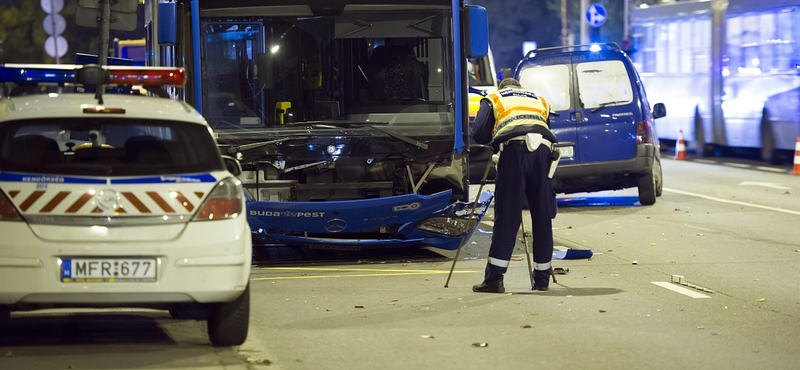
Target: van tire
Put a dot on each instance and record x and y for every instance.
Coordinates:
(647, 188)
(659, 177)
(229, 321)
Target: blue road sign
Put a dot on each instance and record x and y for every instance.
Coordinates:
(596, 15)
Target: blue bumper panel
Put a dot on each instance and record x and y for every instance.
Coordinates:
(344, 216)
(365, 214)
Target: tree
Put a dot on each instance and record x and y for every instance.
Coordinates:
(23, 36)
(513, 21)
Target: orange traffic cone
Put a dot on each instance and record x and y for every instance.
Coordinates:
(680, 148)
(796, 170)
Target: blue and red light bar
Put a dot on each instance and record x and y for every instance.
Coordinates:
(113, 75)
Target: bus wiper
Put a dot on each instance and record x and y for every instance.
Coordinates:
(403, 138)
(603, 105)
(364, 26)
(241, 148)
(416, 27)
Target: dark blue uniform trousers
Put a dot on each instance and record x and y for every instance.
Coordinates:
(522, 174)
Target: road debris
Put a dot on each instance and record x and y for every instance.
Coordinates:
(525, 326)
(761, 300)
(560, 270)
(359, 307)
(9, 354)
(480, 344)
(428, 336)
(680, 279)
(635, 262)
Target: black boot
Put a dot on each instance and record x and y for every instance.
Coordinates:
(489, 286)
(541, 279)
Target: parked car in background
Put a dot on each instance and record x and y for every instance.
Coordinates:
(601, 116)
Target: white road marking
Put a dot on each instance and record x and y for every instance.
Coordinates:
(699, 228)
(679, 289)
(740, 165)
(771, 169)
(764, 184)
(776, 209)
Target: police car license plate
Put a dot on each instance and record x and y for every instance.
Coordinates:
(108, 270)
(566, 151)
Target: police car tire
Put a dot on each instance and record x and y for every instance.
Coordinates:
(647, 189)
(228, 322)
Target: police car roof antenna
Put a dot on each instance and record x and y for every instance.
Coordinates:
(489, 164)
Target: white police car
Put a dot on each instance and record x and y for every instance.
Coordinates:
(112, 200)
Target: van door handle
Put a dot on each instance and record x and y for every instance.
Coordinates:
(576, 117)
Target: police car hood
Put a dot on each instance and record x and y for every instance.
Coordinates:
(97, 209)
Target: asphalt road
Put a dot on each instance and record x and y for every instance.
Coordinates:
(730, 229)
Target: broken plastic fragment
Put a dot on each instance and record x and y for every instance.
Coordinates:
(480, 344)
(525, 326)
(428, 336)
(359, 306)
(761, 300)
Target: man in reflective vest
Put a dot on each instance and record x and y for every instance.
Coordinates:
(514, 121)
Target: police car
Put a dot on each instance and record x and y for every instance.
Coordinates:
(117, 200)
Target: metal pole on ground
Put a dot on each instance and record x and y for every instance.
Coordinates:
(469, 220)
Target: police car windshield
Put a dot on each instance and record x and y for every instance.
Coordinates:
(107, 147)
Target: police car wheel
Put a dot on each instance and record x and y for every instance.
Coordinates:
(228, 322)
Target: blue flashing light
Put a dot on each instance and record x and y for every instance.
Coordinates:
(594, 47)
(26, 73)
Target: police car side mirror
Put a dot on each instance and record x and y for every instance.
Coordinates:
(232, 165)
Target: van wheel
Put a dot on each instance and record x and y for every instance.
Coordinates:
(647, 187)
(228, 322)
(658, 177)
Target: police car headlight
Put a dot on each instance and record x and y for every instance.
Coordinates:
(7, 210)
(446, 225)
(224, 202)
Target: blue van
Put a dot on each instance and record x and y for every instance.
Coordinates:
(601, 116)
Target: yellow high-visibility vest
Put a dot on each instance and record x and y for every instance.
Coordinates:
(514, 107)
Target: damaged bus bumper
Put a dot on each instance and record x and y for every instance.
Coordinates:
(410, 220)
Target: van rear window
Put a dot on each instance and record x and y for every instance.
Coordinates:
(550, 82)
(603, 82)
(107, 147)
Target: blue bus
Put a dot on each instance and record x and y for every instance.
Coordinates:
(349, 117)
(727, 70)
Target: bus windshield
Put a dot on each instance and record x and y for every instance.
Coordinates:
(361, 67)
